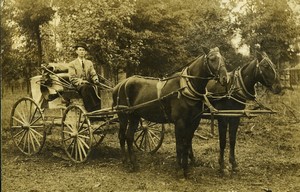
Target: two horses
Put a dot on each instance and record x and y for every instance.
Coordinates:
(177, 99)
(241, 87)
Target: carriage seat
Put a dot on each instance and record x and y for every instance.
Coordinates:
(58, 67)
(61, 81)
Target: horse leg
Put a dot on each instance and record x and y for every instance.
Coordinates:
(123, 126)
(179, 141)
(187, 149)
(222, 126)
(191, 152)
(133, 124)
(233, 127)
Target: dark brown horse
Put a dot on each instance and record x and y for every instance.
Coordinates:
(241, 87)
(176, 99)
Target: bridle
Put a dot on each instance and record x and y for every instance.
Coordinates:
(213, 75)
(244, 92)
(190, 91)
(206, 63)
(259, 70)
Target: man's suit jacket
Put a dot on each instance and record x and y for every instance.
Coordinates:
(78, 74)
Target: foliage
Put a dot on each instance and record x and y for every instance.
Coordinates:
(271, 24)
(104, 26)
(142, 37)
(31, 15)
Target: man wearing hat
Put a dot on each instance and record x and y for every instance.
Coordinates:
(84, 77)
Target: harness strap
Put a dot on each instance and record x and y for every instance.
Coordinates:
(188, 89)
(244, 92)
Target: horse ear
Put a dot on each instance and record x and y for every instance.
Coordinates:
(205, 49)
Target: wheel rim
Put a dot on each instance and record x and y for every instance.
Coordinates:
(149, 136)
(76, 134)
(27, 126)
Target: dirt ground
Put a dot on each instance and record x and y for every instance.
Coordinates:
(268, 154)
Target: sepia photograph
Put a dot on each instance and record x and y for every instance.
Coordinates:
(150, 95)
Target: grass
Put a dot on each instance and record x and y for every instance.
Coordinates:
(7, 102)
(286, 105)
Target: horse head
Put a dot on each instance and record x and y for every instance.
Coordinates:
(267, 73)
(216, 64)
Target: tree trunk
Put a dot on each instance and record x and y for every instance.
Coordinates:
(39, 45)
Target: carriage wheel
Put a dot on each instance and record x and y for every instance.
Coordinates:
(98, 135)
(149, 136)
(27, 126)
(103, 128)
(76, 134)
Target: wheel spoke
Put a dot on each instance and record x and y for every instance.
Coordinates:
(83, 130)
(20, 121)
(79, 151)
(17, 127)
(28, 142)
(35, 120)
(31, 141)
(151, 138)
(37, 133)
(37, 126)
(139, 135)
(83, 142)
(68, 126)
(16, 135)
(82, 148)
(24, 140)
(70, 147)
(36, 140)
(76, 150)
(142, 140)
(83, 136)
(78, 120)
(19, 142)
(151, 132)
(67, 139)
(33, 114)
(68, 132)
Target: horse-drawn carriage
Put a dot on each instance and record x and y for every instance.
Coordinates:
(178, 99)
(55, 103)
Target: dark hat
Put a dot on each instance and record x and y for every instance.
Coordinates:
(83, 45)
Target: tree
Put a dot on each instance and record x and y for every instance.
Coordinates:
(273, 25)
(31, 15)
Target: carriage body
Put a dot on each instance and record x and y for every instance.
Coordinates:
(55, 103)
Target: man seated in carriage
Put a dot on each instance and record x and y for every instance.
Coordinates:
(84, 77)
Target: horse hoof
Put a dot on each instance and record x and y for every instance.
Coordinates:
(221, 172)
(235, 169)
(186, 174)
(124, 161)
(133, 167)
(196, 163)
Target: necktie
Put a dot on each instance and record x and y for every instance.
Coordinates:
(83, 69)
(82, 64)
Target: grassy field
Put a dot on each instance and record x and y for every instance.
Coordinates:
(268, 153)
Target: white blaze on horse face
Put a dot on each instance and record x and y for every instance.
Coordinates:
(228, 77)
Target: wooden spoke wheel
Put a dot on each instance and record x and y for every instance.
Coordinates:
(27, 126)
(99, 134)
(104, 127)
(149, 136)
(76, 134)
